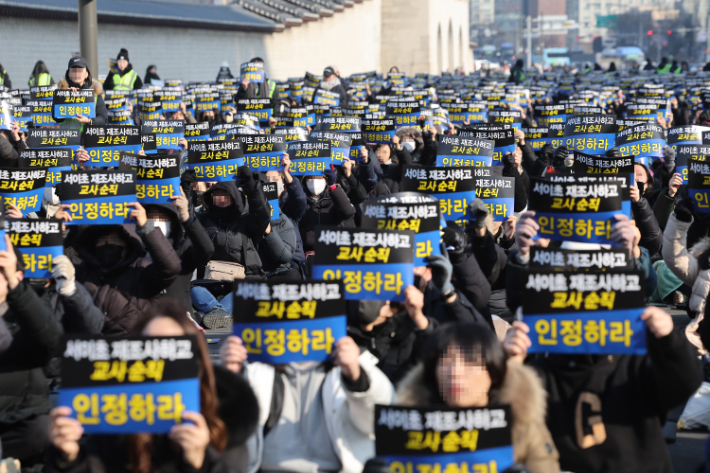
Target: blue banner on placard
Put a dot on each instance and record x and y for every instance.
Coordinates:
(28, 201)
(588, 227)
(500, 151)
(338, 154)
(603, 332)
(426, 244)
(54, 175)
(266, 161)
(460, 161)
(646, 148)
(500, 208)
(111, 210)
(38, 261)
(598, 143)
(157, 191)
(293, 340)
(385, 282)
(454, 206)
(275, 210)
(167, 141)
(486, 460)
(216, 171)
(109, 156)
(701, 198)
(406, 119)
(43, 119)
(309, 166)
(67, 111)
(537, 144)
(132, 408)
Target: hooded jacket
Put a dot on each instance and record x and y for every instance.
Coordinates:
(332, 207)
(236, 233)
(101, 110)
(124, 290)
(36, 338)
(391, 174)
(194, 248)
(293, 204)
(522, 389)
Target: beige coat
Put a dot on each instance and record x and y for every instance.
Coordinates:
(522, 389)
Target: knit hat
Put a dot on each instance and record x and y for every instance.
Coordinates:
(122, 54)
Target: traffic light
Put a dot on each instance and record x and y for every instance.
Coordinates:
(650, 32)
(597, 44)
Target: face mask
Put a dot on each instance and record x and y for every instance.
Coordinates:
(389, 161)
(316, 186)
(409, 145)
(108, 255)
(164, 226)
(197, 198)
(279, 187)
(210, 120)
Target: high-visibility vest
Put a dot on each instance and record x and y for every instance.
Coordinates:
(272, 88)
(663, 69)
(124, 82)
(44, 79)
(2, 78)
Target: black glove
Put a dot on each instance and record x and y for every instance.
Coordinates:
(613, 153)
(684, 210)
(669, 157)
(508, 161)
(330, 176)
(454, 238)
(559, 156)
(477, 213)
(246, 177)
(187, 179)
(441, 271)
(546, 155)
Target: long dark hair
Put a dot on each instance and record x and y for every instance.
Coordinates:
(140, 446)
(474, 340)
(40, 68)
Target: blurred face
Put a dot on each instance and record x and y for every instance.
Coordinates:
(383, 154)
(178, 115)
(78, 74)
(163, 327)
(221, 198)
(274, 176)
(112, 238)
(208, 115)
(156, 214)
(121, 64)
(463, 378)
(640, 174)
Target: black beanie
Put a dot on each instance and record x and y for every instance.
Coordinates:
(123, 54)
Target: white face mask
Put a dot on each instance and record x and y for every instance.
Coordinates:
(164, 227)
(409, 145)
(316, 186)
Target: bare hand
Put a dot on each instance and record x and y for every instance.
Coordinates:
(138, 213)
(526, 230)
(622, 232)
(363, 154)
(193, 438)
(635, 193)
(414, 303)
(65, 432)
(658, 322)
(347, 166)
(272, 122)
(674, 184)
(233, 354)
(82, 119)
(8, 264)
(182, 205)
(509, 226)
(11, 211)
(63, 214)
(346, 355)
(82, 155)
(182, 142)
(517, 341)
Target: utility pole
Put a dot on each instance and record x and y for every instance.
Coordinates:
(87, 35)
(528, 20)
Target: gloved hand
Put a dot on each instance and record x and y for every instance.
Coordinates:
(613, 153)
(63, 274)
(559, 156)
(525, 230)
(546, 155)
(477, 213)
(441, 271)
(669, 157)
(330, 176)
(684, 210)
(246, 177)
(187, 179)
(623, 232)
(454, 238)
(508, 161)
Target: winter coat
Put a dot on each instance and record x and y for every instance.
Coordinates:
(663, 207)
(350, 416)
(459, 310)
(124, 291)
(36, 338)
(247, 223)
(194, 248)
(258, 91)
(606, 413)
(109, 85)
(391, 174)
(293, 204)
(651, 234)
(101, 110)
(471, 282)
(331, 208)
(77, 312)
(109, 454)
(338, 89)
(276, 249)
(9, 151)
(522, 389)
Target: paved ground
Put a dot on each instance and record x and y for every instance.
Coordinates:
(686, 451)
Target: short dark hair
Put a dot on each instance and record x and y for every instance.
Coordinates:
(472, 338)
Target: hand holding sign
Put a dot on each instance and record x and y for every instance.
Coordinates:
(623, 232)
(674, 184)
(414, 303)
(233, 354)
(82, 119)
(192, 438)
(138, 213)
(346, 355)
(11, 211)
(526, 231)
(8, 264)
(182, 206)
(65, 433)
(658, 322)
(517, 341)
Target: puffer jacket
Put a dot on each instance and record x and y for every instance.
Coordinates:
(690, 266)
(277, 248)
(194, 248)
(246, 225)
(101, 110)
(331, 208)
(124, 291)
(522, 389)
(651, 234)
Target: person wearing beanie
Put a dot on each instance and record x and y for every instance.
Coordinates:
(224, 72)
(78, 76)
(126, 78)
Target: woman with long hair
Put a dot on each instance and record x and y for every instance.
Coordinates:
(464, 365)
(192, 445)
(40, 75)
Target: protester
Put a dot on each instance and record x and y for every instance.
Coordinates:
(126, 78)
(464, 365)
(331, 83)
(5, 78)
(261, 90)
(151, 74)
(224, 72)
(78, 76)
(40, 76)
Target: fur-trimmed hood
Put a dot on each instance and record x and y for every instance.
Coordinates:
(522, 389)
(96, 85)
(700, 247)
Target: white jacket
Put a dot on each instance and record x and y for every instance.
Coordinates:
(350, 417)
(684, 264)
